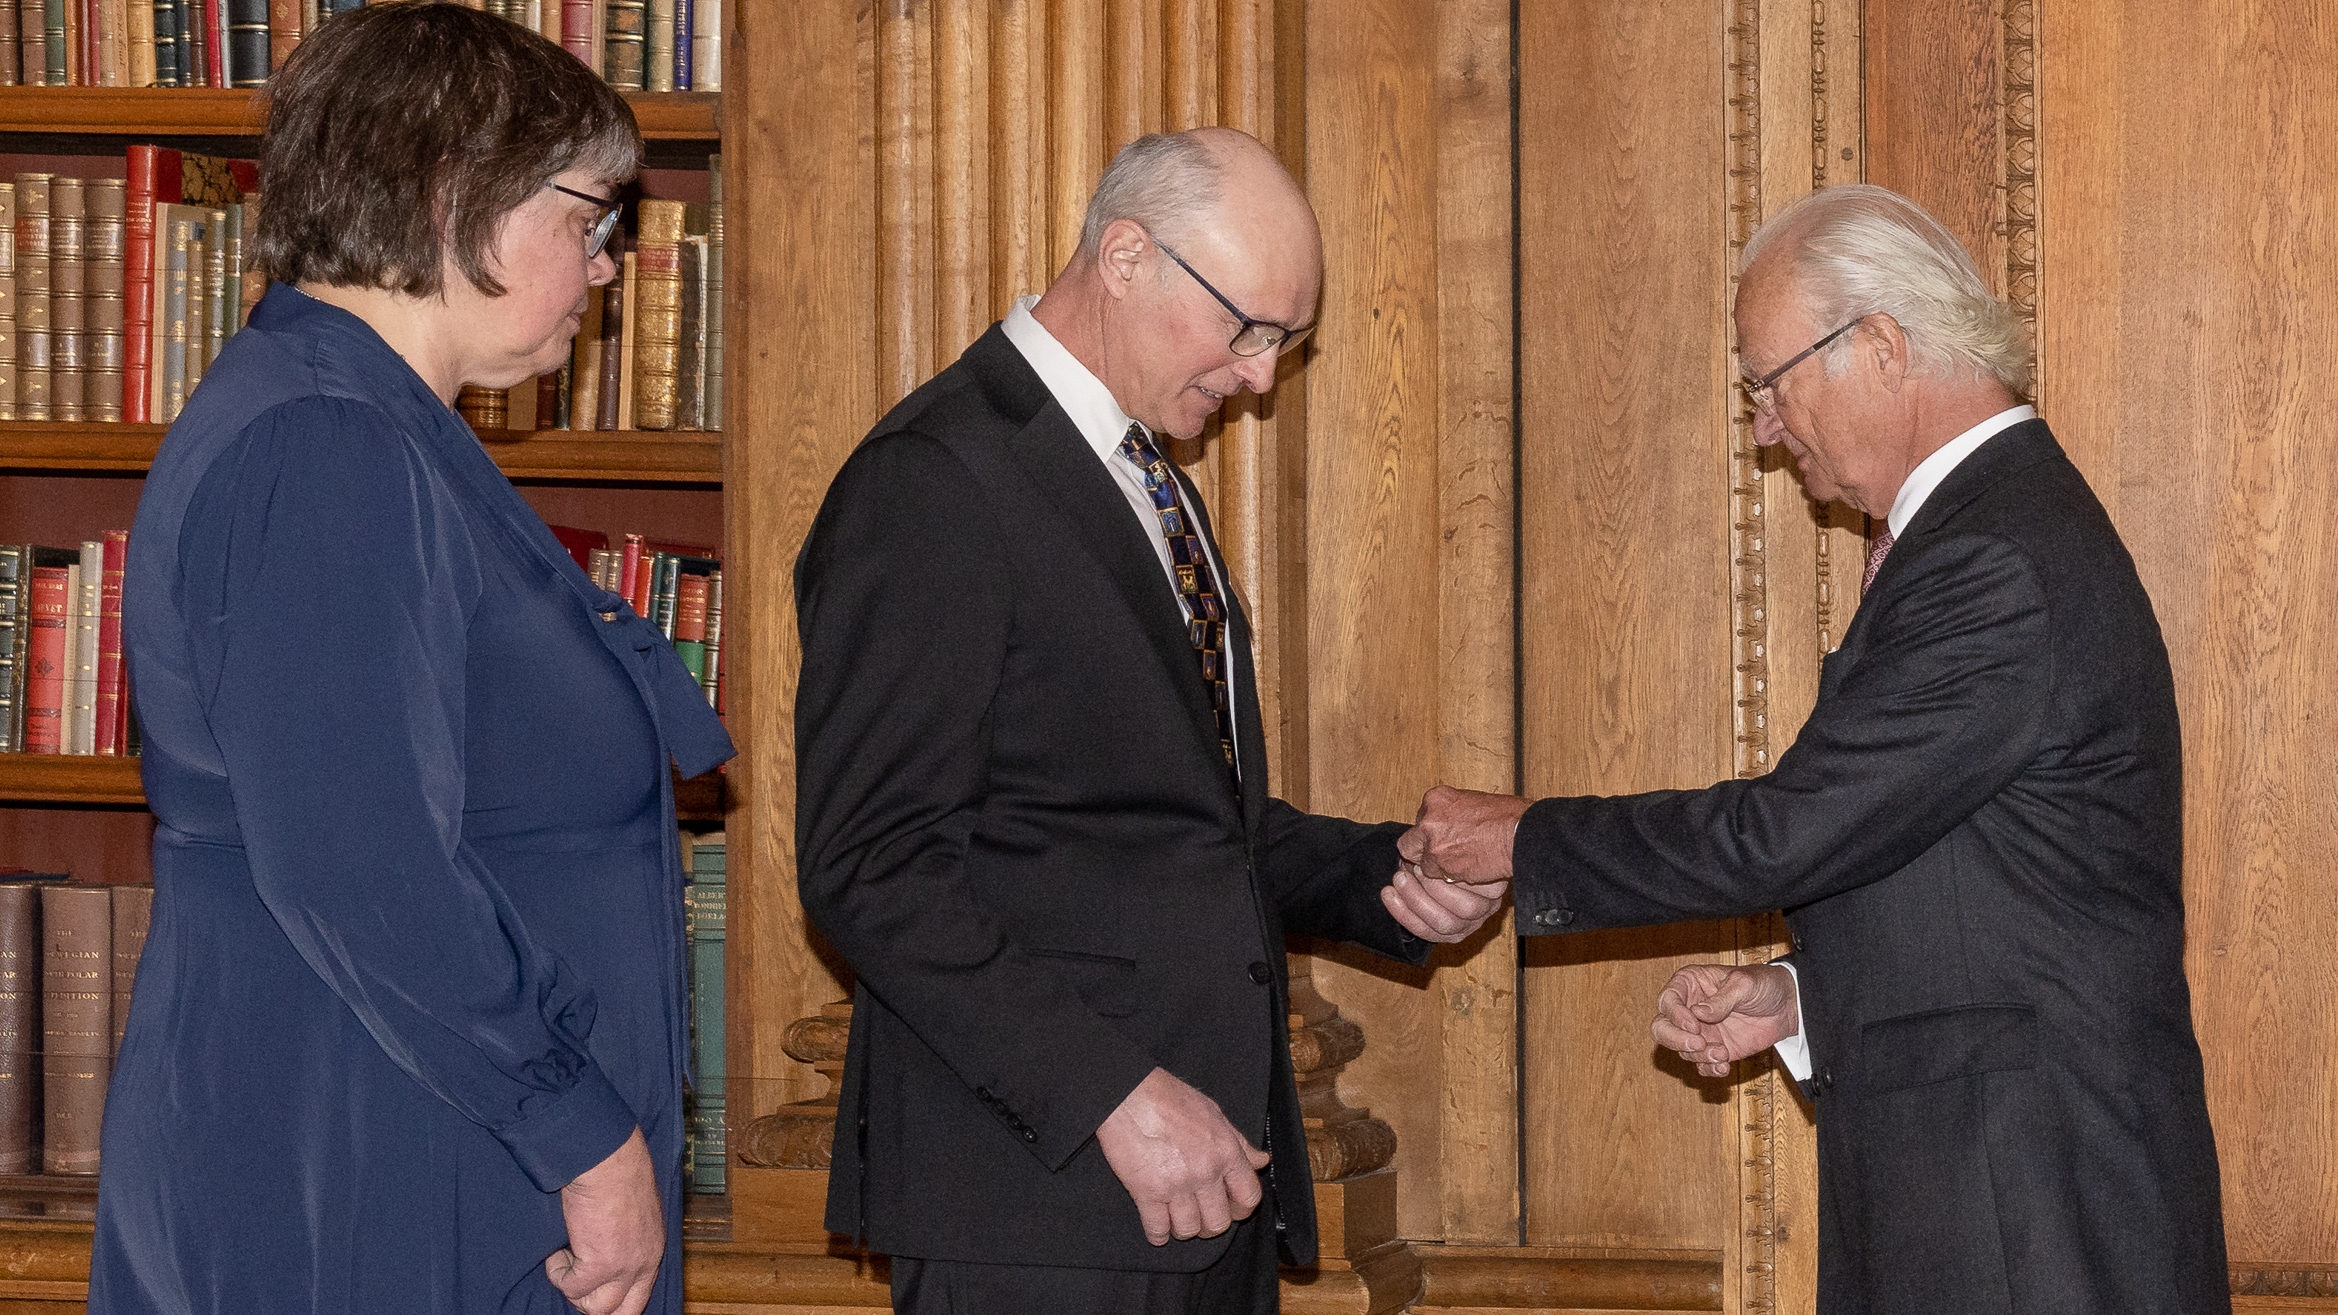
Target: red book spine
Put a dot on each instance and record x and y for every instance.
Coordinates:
(631, 577)
(89, 46)
(109, 645)
(138, 284)
(215, 42)
(44, 683)
(576, 29)
(690, 609)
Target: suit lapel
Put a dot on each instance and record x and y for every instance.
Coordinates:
(1058, 461)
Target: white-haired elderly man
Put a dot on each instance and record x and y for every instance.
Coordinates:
(1976, 838)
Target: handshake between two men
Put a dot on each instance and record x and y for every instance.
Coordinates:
(1458, 866)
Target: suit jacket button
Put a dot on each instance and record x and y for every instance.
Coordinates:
(1261, 974)
(1826, 1078)
(1030, 1135)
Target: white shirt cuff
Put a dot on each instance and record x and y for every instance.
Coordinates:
(1794, 1051)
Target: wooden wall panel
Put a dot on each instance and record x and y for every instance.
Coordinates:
(803, 388)
(1934, 114)
(2189, 289)
(1625, 612)
(1372, 512)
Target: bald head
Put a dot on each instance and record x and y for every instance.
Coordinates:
(1194, 242)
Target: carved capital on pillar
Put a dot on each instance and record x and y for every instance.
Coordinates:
(798, 1136)
(1341, 1142)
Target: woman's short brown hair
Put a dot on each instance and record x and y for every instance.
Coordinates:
(402, 134)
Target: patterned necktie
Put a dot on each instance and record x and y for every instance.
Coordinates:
(1197, 588)
(1876, 552)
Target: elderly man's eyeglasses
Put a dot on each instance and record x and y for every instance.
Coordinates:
(1255, 337)
(1763, 392)
(597, 240)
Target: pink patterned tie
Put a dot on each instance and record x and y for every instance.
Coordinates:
(1876, 552)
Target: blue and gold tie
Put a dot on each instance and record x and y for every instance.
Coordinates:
(1197, 588)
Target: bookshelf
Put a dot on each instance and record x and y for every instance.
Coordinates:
(667, 483)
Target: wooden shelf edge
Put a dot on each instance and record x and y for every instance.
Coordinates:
(208, 112)
(624, 456)
(49, 778)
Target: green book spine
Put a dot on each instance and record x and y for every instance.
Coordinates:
(173, 311)
(53, 33)
(707, 1130)
(665, 575)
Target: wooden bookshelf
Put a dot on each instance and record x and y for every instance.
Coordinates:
(204, 112)
(624, 456)
(68, 779)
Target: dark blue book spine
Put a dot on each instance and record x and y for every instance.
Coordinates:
(247, 43)
(166, 44)
(684, 29)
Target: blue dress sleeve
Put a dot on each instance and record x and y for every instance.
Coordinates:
(330, 581)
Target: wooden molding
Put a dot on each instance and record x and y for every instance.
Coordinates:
(2018, 67)
(207, 112)
(622, 456)
(1545, 1279)
(49, 778)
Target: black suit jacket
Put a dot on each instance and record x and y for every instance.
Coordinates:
(1015, 821)
(1977, 840)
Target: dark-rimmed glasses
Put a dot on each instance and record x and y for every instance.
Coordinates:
(1255, 337)
(597, 240)
(1763, 392)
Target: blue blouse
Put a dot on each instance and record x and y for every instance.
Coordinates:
(417, 957)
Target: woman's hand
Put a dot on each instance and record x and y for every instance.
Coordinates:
(616, 1234)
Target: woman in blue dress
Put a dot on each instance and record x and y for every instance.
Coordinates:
(409, 1033)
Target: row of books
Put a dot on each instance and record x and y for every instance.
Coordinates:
(63, 685)
(116, 294)
(650, 352)
(676, 587)
(57, 1043)
(705, 1145)
(638, 45)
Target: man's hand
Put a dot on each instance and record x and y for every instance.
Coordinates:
(616, 1234)
(1463, 835)
(1436, 909)
(1189, 1172)
(1715, 1015)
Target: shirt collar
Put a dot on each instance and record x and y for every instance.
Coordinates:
(1933, 469)
(1083, 396)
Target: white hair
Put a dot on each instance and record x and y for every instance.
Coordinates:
(1859, 250)
(1164, 181)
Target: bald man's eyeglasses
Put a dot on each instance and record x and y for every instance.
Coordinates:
(1255, 337)
(1763, 392)
(598, 239)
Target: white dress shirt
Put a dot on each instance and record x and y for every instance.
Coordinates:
(1794, 1051)
(1097, 415)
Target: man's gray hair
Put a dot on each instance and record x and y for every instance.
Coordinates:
(1859, 250)
(1164, 181)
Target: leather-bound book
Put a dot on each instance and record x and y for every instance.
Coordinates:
(77, 1023)
(657, 317)
(178, 246)
(714, 293)
(169, 71)
(113, 42)
(632, 574)
(55, 56)
(690, 356)
(482, 408)
(708, 922)
(109, 645)
(48, 650)
(685, 17)
(584, 366)
(547, 401)
(218, 310)
(706, 46)
(81, 671)
(140, 23)
(247, 43)
(255, 279)
(714, 634)
(286, 20)
(68, 210)
(133, 915)
(32, 296)
(7, 294)
(32, 64)
(624, 57)
(15, 613)
(626, 332)
(657, 58)
(20, 1026)
(612, 350)
(689, 636)
(153, 176)
(102, 289)
(11, 53)
(576, 29)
